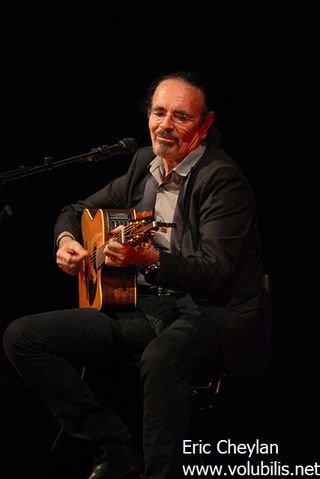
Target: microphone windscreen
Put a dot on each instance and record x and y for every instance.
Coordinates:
(130, 145)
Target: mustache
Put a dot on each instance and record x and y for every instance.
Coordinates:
(166, 134)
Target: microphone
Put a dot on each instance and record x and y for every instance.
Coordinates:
(126, 146)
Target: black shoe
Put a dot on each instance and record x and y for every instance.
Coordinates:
(116, 461)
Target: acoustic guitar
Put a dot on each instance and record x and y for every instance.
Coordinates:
(106, 288)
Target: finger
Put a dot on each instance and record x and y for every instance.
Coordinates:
(117, 229)
(114, 244)
(70, 256)
(112, 261)
(65, 258)
(114, 249)
(68, 270)
(73, 247)
(114, 255)
(79, 249)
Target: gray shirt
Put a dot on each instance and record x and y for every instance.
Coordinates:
(168, 191)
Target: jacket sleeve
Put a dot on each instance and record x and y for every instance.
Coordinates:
(222, 231)
(113, 195)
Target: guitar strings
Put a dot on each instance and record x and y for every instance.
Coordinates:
(98, 254)
(99, 257)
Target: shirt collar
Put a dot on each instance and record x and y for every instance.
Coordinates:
(183, 168)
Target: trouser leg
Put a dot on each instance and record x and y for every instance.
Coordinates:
(185, 351)
(44, 349)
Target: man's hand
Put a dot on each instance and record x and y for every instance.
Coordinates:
(121, 256)
(70, 255)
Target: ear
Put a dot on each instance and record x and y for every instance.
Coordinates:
(206, 125)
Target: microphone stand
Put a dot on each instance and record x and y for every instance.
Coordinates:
(6, 212)
(95, 155)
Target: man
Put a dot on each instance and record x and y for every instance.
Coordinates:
(206, 315)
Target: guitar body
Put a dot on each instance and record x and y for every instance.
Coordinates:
(100, 287)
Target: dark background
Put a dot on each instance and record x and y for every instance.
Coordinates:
(73, 78)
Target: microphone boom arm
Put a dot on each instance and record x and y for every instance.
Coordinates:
(125, 146)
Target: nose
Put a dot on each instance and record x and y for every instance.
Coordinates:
(167, 122)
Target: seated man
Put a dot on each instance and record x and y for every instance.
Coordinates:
(200, 294)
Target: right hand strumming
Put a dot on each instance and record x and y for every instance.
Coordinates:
(70, 255)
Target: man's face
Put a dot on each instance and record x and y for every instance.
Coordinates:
(174, 119)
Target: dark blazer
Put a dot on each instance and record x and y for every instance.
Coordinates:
(219, 264)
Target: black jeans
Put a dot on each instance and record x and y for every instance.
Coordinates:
(181, 345)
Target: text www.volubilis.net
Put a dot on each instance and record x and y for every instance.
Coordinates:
(261, 469)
